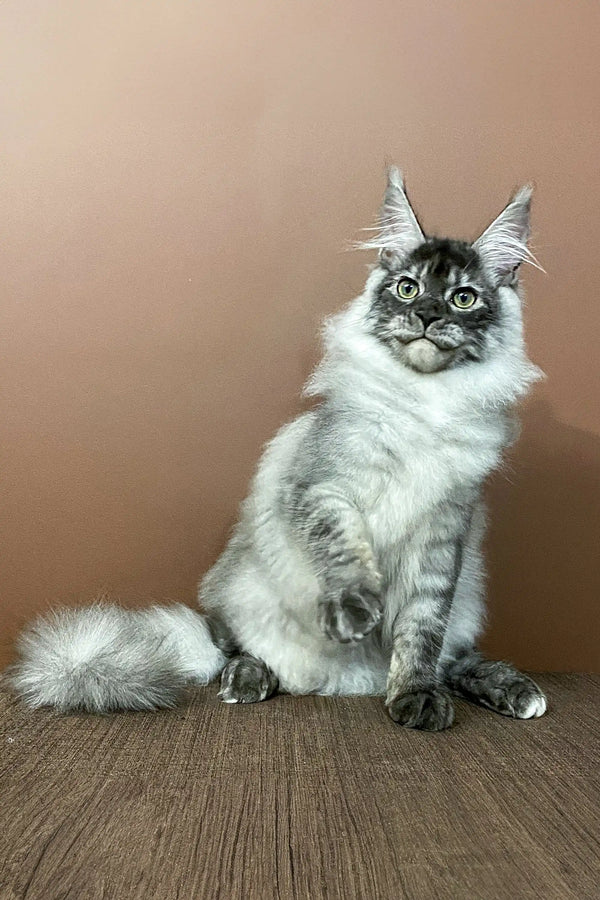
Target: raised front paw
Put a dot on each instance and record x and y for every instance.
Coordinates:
(428, 709)
(351, 615)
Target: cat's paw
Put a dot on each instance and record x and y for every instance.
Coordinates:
(351, 616)
(522, 699)
(428, 709)
(246, 679)
(495, 685)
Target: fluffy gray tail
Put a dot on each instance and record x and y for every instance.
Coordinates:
(104, 657)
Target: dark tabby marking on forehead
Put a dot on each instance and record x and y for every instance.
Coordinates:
(440, 266)
(443, 256)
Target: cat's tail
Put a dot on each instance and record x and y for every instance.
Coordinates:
(103, 657)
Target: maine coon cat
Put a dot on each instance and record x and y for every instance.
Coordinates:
(356, 564)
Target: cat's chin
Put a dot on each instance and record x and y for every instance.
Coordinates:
(424, 356)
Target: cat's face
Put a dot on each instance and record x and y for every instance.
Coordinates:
(439, 302)
(436, 306)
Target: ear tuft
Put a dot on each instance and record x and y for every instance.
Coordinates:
(398, 231)
(503, 245)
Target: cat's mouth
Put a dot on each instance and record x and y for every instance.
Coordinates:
(444, 337)
(424, 354)
(429, 339)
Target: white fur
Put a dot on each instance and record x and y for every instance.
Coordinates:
(398, 226)
(503, 245)
(536, 708)
(104, 657)
(197, 658)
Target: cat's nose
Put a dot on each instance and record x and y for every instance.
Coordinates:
(428, 317)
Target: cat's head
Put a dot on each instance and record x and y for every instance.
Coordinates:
(441, 303)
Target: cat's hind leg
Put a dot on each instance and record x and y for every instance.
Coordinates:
(496, 685)
(246, 679)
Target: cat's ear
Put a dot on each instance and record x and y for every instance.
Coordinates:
(503, 244)
(399, 230)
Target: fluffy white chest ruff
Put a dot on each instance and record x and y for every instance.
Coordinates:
(415, 460)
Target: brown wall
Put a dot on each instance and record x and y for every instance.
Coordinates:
(179, 179)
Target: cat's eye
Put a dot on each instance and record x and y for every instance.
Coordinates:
(407, 289)
(464, 298)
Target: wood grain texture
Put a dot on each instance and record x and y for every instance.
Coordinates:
(301, 798)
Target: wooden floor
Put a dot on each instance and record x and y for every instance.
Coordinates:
(301, 798)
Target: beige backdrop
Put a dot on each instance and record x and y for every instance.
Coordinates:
(179, 180)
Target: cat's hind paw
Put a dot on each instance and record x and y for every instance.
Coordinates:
(523, 700)
(496, 685)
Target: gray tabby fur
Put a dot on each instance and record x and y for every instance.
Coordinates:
(356, 565)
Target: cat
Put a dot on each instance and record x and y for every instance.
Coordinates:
(356, 565)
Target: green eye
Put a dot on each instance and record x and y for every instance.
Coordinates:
(407, 289)
(464, 298)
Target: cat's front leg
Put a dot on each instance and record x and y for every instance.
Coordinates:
(416, 697)
(349, 607)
